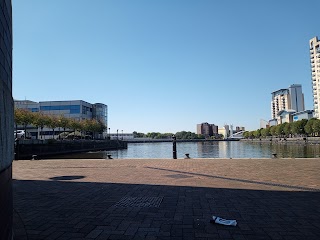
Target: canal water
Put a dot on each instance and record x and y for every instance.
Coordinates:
(219, 149)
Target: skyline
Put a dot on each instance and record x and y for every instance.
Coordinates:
(164, 66)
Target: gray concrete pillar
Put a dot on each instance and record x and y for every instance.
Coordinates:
(6, 120)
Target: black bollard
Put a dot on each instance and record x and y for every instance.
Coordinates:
(174, 147)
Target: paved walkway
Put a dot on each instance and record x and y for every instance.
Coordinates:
(166, 199)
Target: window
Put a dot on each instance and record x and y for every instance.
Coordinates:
(74, 109)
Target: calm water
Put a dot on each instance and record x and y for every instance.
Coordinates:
(207, 150)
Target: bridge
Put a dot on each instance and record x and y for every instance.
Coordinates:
(238, 135)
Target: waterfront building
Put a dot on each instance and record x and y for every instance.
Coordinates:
(239, 129)
(224, 132)
(206, 129)
(286, 101)
(73, 109)
(314, 45)
(6, 121)
(290, 98)
(307, 114)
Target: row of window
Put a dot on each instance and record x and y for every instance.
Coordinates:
(62, 107)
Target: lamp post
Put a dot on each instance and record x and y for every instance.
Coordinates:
(117, 135)
(109, 134)
(122, 134)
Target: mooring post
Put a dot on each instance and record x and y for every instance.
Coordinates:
(174, 147)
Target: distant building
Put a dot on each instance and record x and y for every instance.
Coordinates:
(307, 114)
(206, 129)
(74, 109)
(284, 102)
(121, 136)
(314, 45)
(287, 99)
(239, 129)
(224, 131)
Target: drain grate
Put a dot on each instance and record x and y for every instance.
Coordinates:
(142, 202)
(178, 176)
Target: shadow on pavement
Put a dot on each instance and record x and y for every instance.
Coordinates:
(65, 178)
(79, 210)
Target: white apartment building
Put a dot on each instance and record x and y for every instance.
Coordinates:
(314, 44)
(289, 99)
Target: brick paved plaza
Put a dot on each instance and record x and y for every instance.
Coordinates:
(166, 199)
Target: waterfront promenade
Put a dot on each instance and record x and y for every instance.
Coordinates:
(166, 198)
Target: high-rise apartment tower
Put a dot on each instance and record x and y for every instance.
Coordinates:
(287, 99)
(314, 44)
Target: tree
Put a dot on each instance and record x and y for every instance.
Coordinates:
(52, 123)
(18, 117)
(287, 129)
(40, 120)
(273, 131)
(298, 127)
(138, 135)
(26, 118)
(316, 126)
(309, 126)
(64, 122)
(246, 134)
(257, 133)
(75, 125)
(265, 132)
(279, 130)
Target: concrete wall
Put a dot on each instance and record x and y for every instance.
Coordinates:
(6, 120)
(25, 149)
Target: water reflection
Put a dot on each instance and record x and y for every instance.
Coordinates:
(219, 149)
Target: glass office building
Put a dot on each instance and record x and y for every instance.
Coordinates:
(74, 109)
(100, 112)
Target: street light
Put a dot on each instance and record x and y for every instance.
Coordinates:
(122, 134)
(109, 134)
(117, 134)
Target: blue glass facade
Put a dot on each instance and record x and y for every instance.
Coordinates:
(34, 109)
(74, 109)
(101, 113)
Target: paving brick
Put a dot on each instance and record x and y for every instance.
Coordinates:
(270, 199)
(94, 233)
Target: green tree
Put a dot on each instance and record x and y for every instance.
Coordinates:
(279, 130)
(138, 135)
(257, 133)
(298, 127)
(273, 131)
(308, 128)
(52, 123)
(40, 121)
(26, 118)
(316, 127)
(18, 118)
(246, 134)
(287, 129)
(75, 125)
(267, 132)
(63, 122)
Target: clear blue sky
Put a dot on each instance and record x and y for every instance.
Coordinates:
(164, 65)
